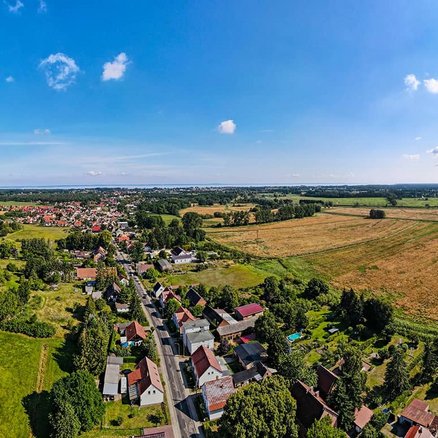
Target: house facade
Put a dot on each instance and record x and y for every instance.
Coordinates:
(144, 384)
(215, 395)
(205, 366)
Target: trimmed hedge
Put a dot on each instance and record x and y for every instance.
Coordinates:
(35, 329)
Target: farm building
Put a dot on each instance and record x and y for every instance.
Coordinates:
(248, 311)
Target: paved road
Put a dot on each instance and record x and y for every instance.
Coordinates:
(181, 407)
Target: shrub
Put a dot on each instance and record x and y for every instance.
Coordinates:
(35, 329)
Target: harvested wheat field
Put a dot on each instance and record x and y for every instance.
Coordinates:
(308, 235)
(408, 271)
(425, 214)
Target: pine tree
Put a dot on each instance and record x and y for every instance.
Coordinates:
(396, 375)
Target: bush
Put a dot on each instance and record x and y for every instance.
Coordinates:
(35, 329)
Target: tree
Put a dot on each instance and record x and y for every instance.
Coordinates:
(378, 313)
(396, 375)
(430, 361)
(191, 222)
(265, 326)
(347, 395)
(323, 429)
(135, 308)
(293, 367)
(229, 297)
(137, 251)
(377, 214)
(351, 307)
(64, 421)
(265, 409)
(315, 288)
(80, 391)
(277, 346)
(171, 307)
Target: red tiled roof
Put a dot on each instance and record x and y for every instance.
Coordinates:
(362, 416)
(417, 411)
(83, 273)
(95, 228)
(419, 432)
(145, 374)
(134, 329)
(249, 309)
(203, 358)
(183, 315)
(217, 392)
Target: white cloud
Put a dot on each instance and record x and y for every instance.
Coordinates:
(412, 157)
(433, 151)
(14, 8)
(116, 69)
(431, 85)
(411, 82)
(94, 173)
(60, 71)
(418, 138)
(40, 131)
(10, 79)
(227, 127)
(42, 7)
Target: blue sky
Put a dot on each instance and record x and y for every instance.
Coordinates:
(233, 92)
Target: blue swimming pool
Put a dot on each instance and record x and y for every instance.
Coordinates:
(294, 336)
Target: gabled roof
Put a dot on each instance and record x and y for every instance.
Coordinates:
(419, 432)
(83, 273)
(249, 353)
(362, 416)
(183, 315)
(217, 392)
(197, 323)
(310, 406)
(196, 337)
(417, 411)
(249, 309)
(237, 327)
(134, 329)
(195, 298)
(158, 286)
(202, 359)
(145, 374)
(326, 380)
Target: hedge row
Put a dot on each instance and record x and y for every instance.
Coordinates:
(35, 329)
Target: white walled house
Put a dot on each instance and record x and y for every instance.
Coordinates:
(199, 339)
(205, 366)
(198, 325)
(215, 395)
(144, 384)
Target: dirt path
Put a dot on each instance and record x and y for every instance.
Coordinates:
(42, 367)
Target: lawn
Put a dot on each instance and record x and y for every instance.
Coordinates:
(36, 231)
(19, 369)
(134, 419)
(236, 275)
(17, 203)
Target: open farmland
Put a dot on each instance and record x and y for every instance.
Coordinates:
(391, 256)
(305, 236)
(36, 231)
(211, 209)
(424, 214)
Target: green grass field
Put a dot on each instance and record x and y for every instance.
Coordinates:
(16, 203)
(20, 404)
(36, 231)
(367, 201)
(236, 275)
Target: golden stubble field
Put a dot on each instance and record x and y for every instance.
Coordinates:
(211, 209)
(426, 214)
(391, 256)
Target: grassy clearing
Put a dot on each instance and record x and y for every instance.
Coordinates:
(236, 275)
(134, 420)
(211, 209)
(19, 368)
(36, 231)
(366, 201)
(17, 203)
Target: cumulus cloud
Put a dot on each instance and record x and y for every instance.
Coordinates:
(412, 157)
(10, 79)
(40, 131)
(42, 7)
(60, 71)
(433, 151)
(431, 85)
(411, 82)
(94, 173)
(14, 8)
(227, 127)
(116, 69)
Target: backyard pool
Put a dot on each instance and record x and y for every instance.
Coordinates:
(294, 337)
